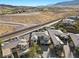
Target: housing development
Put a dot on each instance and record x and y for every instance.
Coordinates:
(43, 42)
(39, 32)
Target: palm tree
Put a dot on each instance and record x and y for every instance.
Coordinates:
(0, 49)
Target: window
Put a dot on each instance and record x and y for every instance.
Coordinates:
(34, 40)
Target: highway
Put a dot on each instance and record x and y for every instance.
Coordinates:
(27, 30)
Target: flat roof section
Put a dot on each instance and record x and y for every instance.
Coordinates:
(75, 39)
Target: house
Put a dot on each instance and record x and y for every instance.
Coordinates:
(75, 39)
(56, 32)
(68, 21)
(78, 17)
(74, 17)
(41, 37)
(14, 46)
(23, 44)
(7, 53)
(7, 48)
(53, 34)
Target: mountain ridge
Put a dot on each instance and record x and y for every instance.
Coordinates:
(67, 3)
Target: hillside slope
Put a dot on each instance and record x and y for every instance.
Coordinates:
(69, 3)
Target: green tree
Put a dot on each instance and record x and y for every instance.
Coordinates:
(77, 50)
(35, 50)
(77, 27)
(0, 49)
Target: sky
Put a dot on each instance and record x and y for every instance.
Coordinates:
(30, 2)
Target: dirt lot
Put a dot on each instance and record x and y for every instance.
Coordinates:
(31, 19)
(37, 18)
(5, 29)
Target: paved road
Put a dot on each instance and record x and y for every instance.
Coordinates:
(68, 53)
(26, 30)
